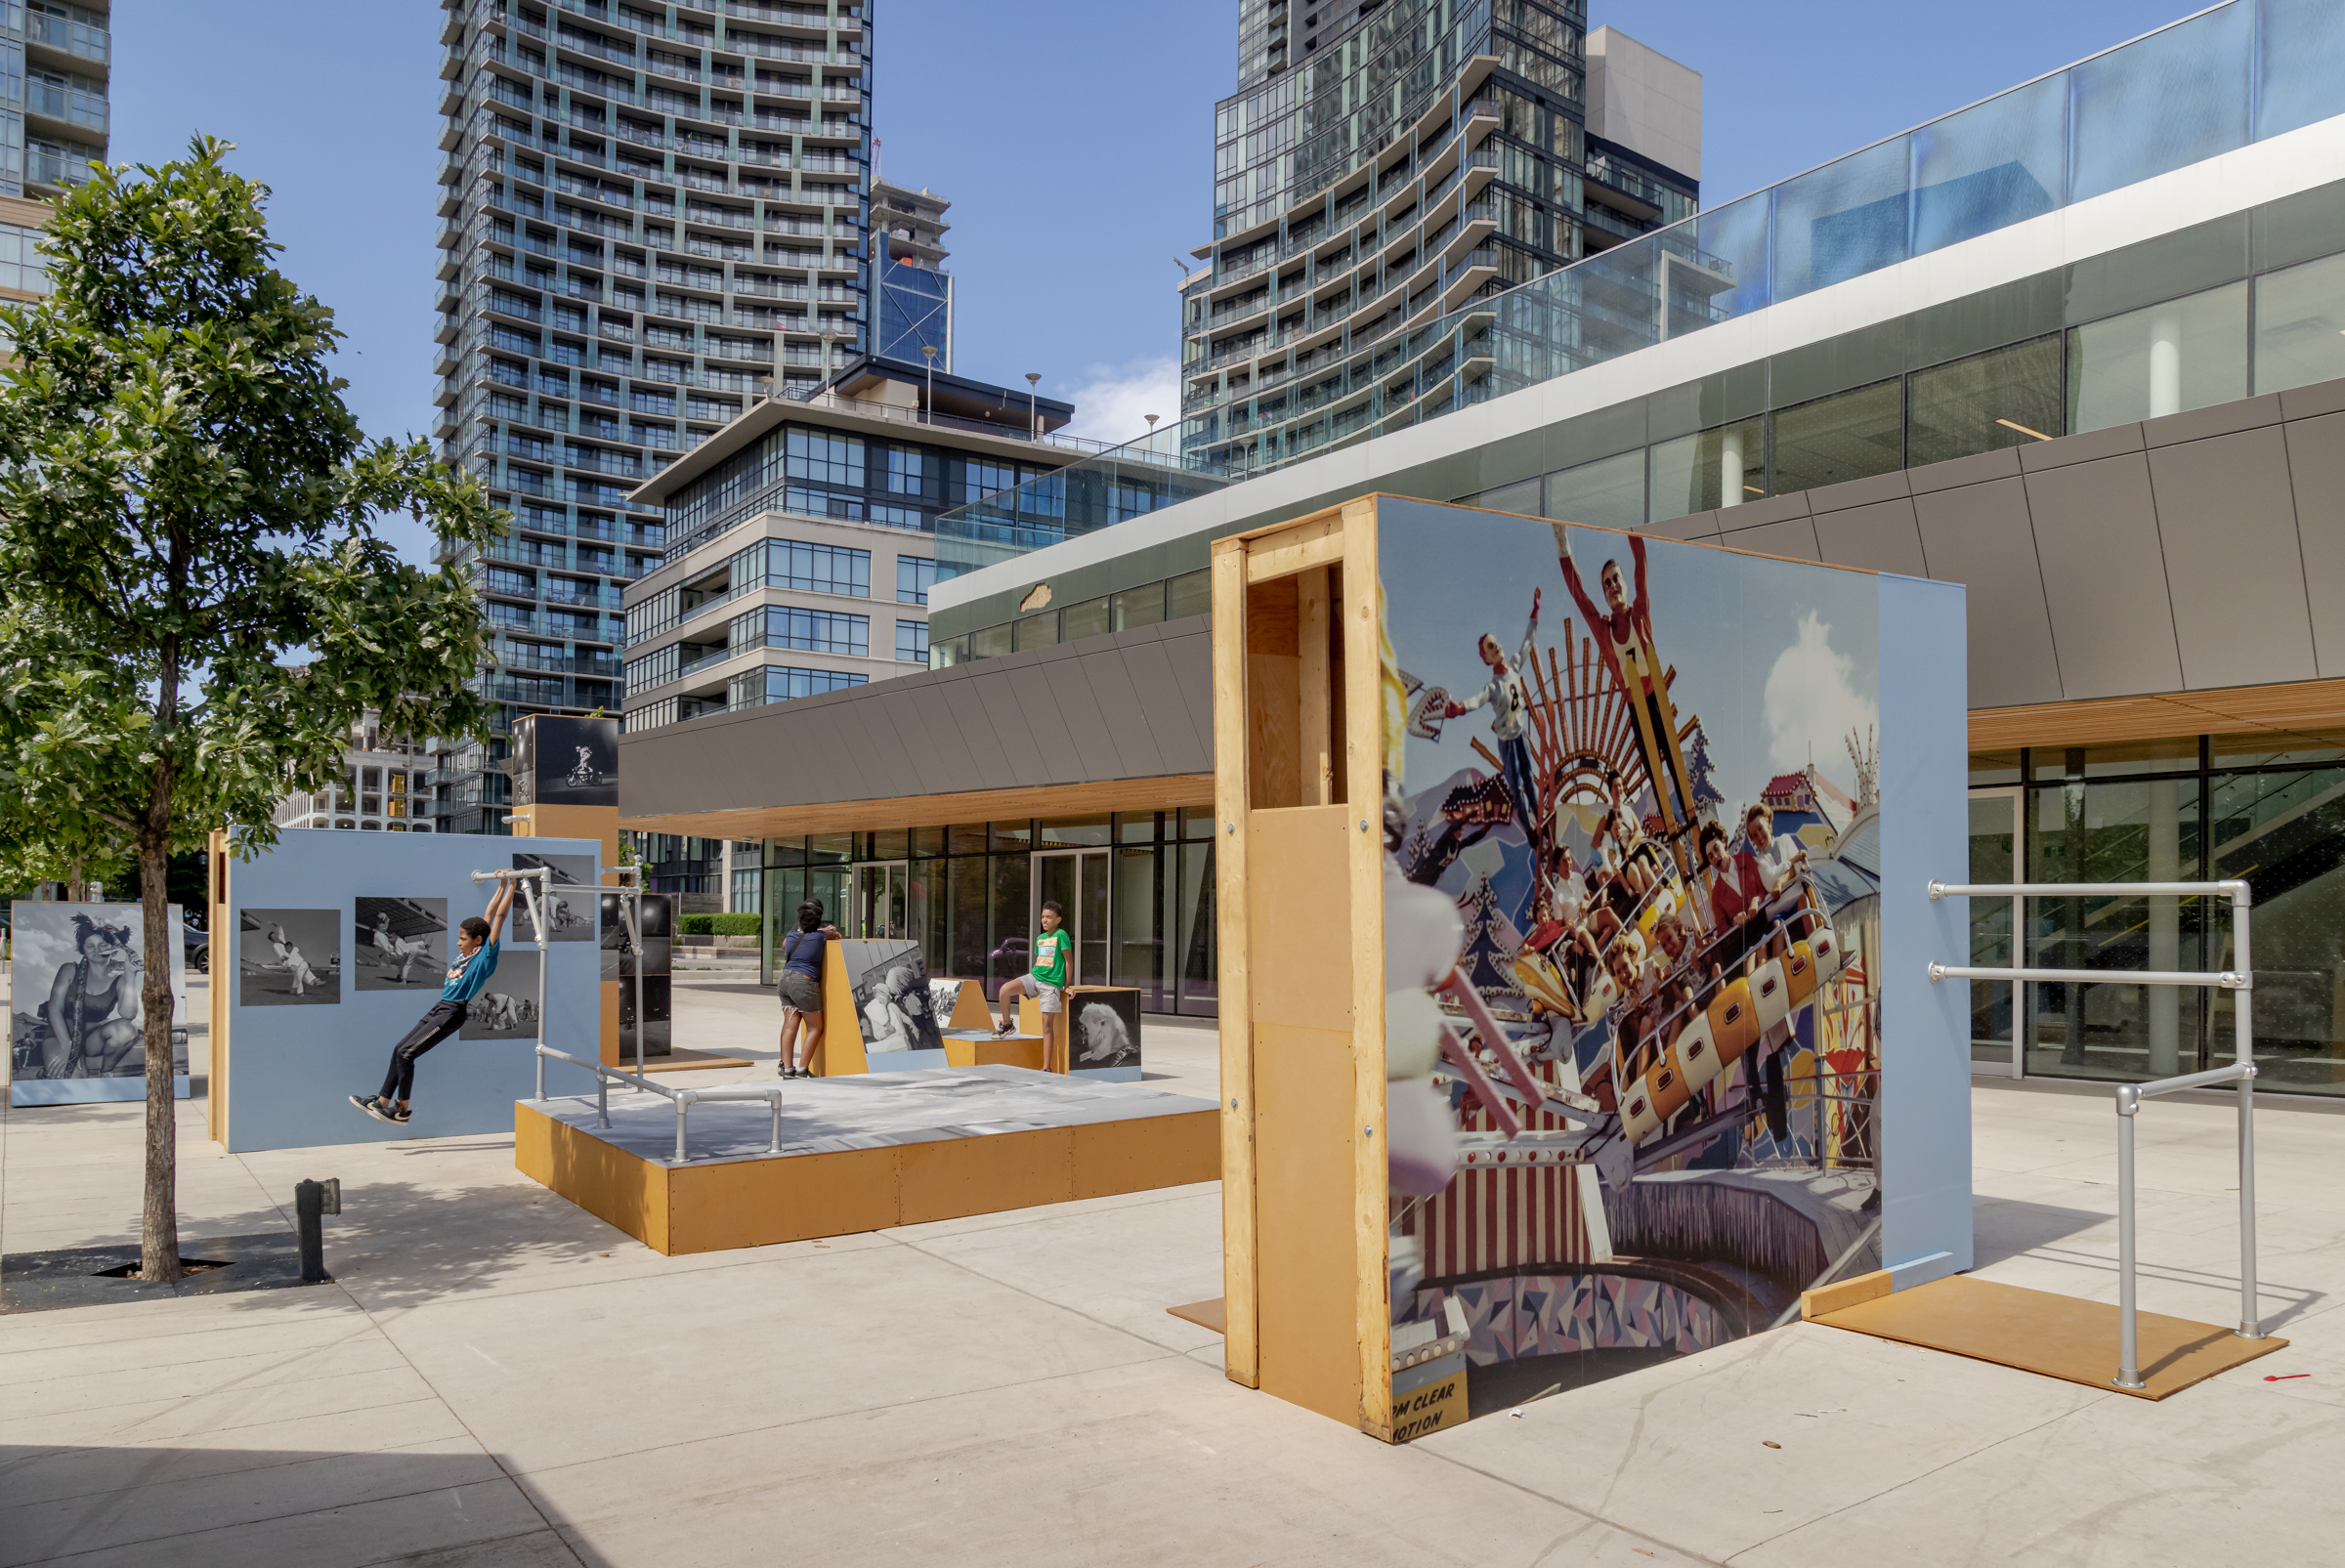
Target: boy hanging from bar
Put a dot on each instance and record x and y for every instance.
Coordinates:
(475, 961)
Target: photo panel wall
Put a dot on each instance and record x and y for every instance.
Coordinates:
(289, 958)
(403, 944)
(569, 892)
(1623, 821)
(295, 1037)
(77, 1022)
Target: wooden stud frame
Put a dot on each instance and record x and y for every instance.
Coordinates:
(1335, 781)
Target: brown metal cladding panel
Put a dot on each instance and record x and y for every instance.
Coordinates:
(1192, 661)
(973, 715)
(1794, 537)
(882, 773)
(1129, 723)
(2228, 522)
(1033, 735)
(2104, 577)
(1884, 537)
(1693, 525)
(952, 760)
(1150, 667)
(1009, 739)
(1087, 724)
(1049, 750)
(925, 768)
(886, 747)
(2316, 472)
(1979, 535)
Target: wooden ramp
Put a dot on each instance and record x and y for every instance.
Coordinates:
(2034, 1330)
(1204, 1314)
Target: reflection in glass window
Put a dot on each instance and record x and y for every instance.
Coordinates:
(915, 577)
(2004, 398)
(2284, 835)
(2161, 102)
(1088, 618)
(905, 471)
(2301, 325)
(1850, 435)
(1607, 493)
(1722, 467)
(1994, 164)
(2146, 832)
(825, 457)
(2186, 354)
(1841, 220)
(911, 641)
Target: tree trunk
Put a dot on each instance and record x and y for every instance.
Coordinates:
(75, 888)
(159, 1232)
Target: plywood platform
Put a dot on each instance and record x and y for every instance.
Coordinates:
(2055, 1336)
(863, 1152)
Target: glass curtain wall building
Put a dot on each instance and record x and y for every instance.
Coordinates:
(54, 66)
(655, 215)
(1380, 168)
(914, 292)
(2230, 77)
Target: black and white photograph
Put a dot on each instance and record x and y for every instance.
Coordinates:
(655, 923)
(1103, 1028)
(507, 1006)
(563, 761)
(659, 1031)
(402, 943)
(77, 1009)
(289, 958)
(571, 900)
(890, 980)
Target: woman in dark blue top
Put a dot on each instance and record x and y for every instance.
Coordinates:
(801, 988)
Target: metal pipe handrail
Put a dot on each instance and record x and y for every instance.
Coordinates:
(683, 1099)
(2221, 980)
(2240, 982)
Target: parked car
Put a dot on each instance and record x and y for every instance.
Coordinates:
(197, 943)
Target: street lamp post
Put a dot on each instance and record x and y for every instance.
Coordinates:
(928, 411)
(1033, 420)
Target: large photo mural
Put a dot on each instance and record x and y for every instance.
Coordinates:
(1631, 829)
(77, 1029)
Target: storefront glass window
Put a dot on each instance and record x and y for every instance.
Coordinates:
(1692, 472)
(2144, 830)
(1012, 949)
(2301, 325)
(2284, 833)
(1852, 435)
(1199, 953)
(967, 940)
(2007, 398)
(1608, 492)
(2190, 353)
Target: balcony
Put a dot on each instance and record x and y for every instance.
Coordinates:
(67, 36)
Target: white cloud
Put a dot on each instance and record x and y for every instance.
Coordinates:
(1114, 404)
(1811, 704)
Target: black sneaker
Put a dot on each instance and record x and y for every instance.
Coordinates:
(400, 1114)
(375, 1108)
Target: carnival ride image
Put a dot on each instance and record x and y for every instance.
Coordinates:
(1631, 1041)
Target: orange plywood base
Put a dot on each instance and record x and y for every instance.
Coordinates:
(717, 1203)
(990, 1050)
(1211, 1314)
(2034, 1330)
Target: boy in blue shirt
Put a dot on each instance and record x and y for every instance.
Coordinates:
(475, 962)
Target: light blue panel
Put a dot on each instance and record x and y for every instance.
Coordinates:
(1995, 163)
(2300, 53)
(1924, 1029)
(291, 1070)
(1843, 220)
(87, 1090)
(1110, 1075)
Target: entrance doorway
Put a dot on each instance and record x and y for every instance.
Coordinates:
(1076, 879)
(1996, 1006)
(879, 901)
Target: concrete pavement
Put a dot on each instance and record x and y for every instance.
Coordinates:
(495, 1378)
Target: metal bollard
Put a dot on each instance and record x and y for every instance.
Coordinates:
(312, 1200)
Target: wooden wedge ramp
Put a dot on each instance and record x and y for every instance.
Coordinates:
(2034, 1330)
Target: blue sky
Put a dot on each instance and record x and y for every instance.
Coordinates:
(1072, 136)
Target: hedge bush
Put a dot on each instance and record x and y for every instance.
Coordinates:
(721, 925)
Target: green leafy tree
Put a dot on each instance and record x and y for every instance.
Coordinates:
(199, 603)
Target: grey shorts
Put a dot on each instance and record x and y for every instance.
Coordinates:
(1047, 998)
(800, 991)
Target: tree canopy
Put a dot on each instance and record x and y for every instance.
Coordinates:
(199, 600)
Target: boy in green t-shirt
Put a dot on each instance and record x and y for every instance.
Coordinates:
(1045, 983)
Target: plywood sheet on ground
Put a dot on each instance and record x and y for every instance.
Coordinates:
(2055, 1336)
(1204, 1314)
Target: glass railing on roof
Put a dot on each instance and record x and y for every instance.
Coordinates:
(2235, 74)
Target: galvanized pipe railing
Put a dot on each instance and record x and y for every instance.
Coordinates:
(682, 1099)
(2239, 981)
